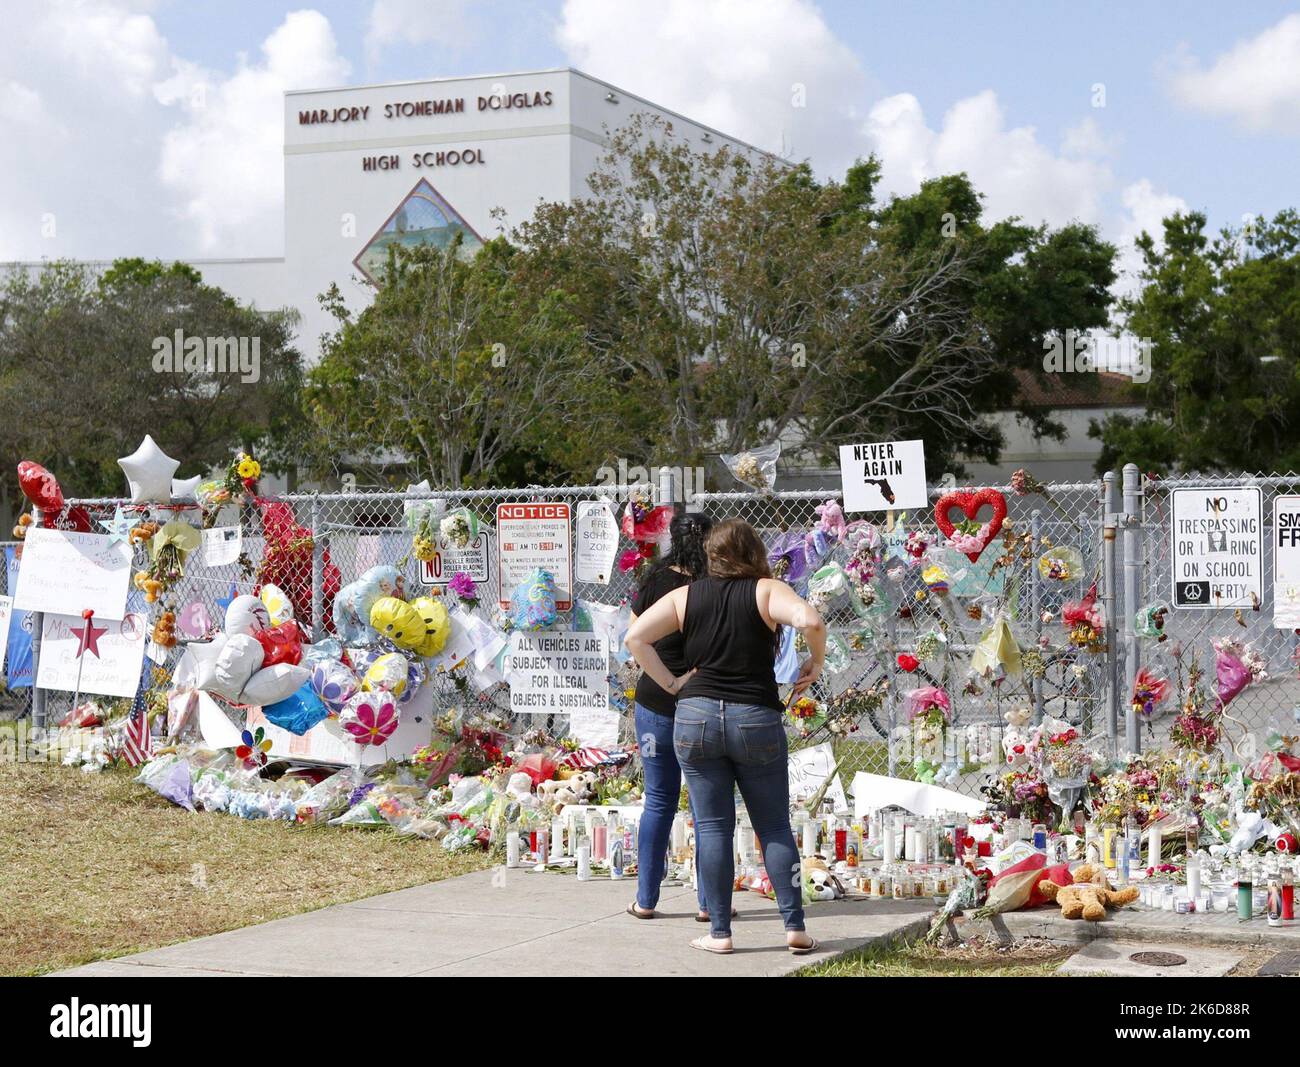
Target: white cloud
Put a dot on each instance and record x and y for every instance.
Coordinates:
(769, 72)
(1145, 209)
(1255, 83)
(447, 23)
(1016, 172)
(225, 162)
(113, 138)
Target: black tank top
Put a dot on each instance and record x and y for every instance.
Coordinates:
(729, 644)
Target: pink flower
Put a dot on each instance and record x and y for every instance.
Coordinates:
(463, 586)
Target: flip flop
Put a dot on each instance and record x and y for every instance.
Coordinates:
(699, 944)
(704, 918)
(797, 951)
(632, 911)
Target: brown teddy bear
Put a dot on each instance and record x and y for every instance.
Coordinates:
(1088, 897)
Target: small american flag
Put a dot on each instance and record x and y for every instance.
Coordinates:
(590, 758)
(137, 746)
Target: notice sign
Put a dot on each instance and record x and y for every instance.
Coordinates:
(597, 542)
(557, 673)
(1216, 547)
(1286, 562)
(448, 559)
(65, 573)
(883, 475)
(531, 536)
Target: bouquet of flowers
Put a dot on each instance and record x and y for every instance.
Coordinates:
(1086, 622)
(1149, 691)
(465, 588)
(459, 526)
(807, 715)
(1197, 727)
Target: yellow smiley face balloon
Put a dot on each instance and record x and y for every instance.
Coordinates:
(398, 621)
(436, 624)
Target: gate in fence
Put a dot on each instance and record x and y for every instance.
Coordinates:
(921, 603)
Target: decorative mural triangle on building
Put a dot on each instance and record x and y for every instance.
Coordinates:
(423, 217)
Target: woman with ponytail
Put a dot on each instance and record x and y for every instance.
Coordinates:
(683, 562)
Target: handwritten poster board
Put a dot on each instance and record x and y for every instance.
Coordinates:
(114, 672)
(64, 573)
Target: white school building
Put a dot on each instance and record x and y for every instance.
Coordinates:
(415, 162)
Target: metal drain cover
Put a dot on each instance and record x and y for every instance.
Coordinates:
(1158, 959)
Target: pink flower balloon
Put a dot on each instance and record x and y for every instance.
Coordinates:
(370, 718)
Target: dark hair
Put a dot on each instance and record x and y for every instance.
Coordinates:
(688, 531)
(736, 551)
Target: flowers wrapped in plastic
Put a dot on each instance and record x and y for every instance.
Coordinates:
(1086, 622)
(1061, 564)
(1149, 692)
(756, 467)
(459, 526)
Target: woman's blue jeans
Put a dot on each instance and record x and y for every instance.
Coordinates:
(663, 790)
(721, 746)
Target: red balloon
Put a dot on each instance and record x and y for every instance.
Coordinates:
(280, 644)
(40, 487)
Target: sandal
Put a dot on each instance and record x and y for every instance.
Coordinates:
(796, 950)
(637, 913)
(704, 918)
(699, 943)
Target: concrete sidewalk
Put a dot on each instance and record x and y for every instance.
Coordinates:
(524, 923)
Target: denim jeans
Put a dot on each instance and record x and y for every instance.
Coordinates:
(721, 746)
(663, 790)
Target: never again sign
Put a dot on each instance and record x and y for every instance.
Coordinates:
(883, 475)
(1216, 547)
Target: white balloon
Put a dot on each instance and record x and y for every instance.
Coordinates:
(246, 615)
(149, 473)
(183, 489)
(278, 606)
(240, 658)
(272, 684)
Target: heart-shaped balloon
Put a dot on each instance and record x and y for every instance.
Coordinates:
(280, 644)
(970, 502)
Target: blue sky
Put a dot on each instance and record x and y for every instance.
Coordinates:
(1202, 100)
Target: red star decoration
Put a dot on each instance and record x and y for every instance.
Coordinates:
(89, 638)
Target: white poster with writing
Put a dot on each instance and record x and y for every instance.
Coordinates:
(595, 542)
(64, 573)
(557, 673)
(1216, 547)
(111, 664)
(808, 770)
(222, 545)
(883, 475)
(532, 536)
(1286, 562)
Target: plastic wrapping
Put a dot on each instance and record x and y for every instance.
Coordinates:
(755, 467)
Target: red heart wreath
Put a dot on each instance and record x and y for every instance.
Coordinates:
(970, 502)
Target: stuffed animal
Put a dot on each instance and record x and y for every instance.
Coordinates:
(576, 789)
(1015, 738)
(1090, 894)
(818, 881)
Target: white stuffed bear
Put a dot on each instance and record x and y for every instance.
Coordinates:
(1015, 738)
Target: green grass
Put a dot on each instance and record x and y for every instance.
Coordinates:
(919, 960)
(94, 866)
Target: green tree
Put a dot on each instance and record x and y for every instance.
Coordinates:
(1222, 315)
(453, 371)
(79, 385)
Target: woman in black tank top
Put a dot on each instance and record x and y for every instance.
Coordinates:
(729, 731)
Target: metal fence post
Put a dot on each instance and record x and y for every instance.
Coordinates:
(1110, 599)
(667, 486)
(1133, 533)
(317, 572)
(38, 695)
(1035, 604)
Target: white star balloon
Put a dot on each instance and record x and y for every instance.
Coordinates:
(149, 472)
(183, 489)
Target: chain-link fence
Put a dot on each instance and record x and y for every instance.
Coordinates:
(919, 599)
(310, 545)
(1213, 568)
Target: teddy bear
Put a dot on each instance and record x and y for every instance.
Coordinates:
(576, 789)
(1015, 739)
(1089, 895)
